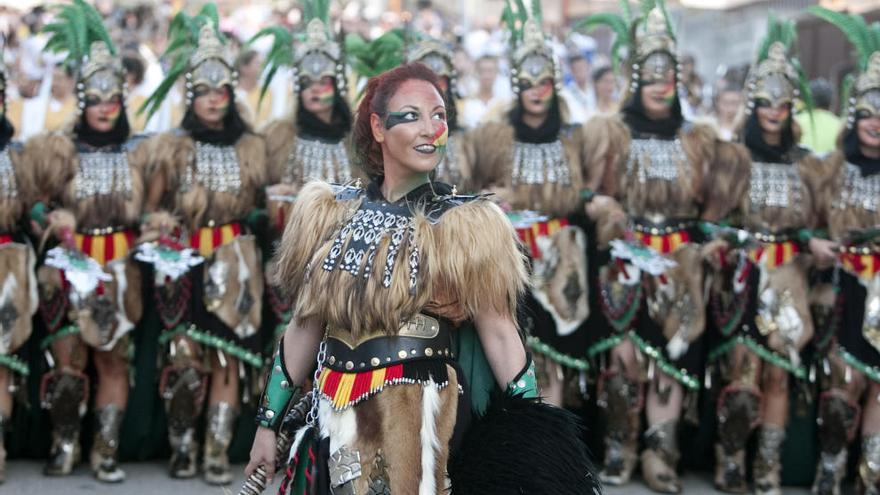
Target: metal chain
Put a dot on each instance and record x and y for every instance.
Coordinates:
(312, 416)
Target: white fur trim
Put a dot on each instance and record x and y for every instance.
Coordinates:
(340, 427)
(430, 442)
(32, 281)
(245, 328)
(124, 325)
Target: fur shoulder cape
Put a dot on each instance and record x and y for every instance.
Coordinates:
(469, 263)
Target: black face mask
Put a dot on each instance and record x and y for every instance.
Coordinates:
(854, 155)
(233, 126)
(753, 139)
(84, 133)
(546, 133)
(635, 117)
(335, 131)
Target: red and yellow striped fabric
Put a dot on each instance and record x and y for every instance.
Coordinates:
(208, 239)
(529, 235)
(106, 248)
(346, 389)
(773, 254)
(864, 266)
(664, 243)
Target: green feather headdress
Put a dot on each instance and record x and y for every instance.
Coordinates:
(775, 57)
(76, 28)
(371, 58)
(631, 31)
(183, 50)
(79, 33)
(294, 51)
(865, 38)
(528, 45)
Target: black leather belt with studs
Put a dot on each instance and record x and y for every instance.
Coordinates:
(422, 337)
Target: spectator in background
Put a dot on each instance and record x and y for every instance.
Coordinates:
(249, 65)
(62, 101)
(578, 93)
(134, 77)
(692, 96)
(605, 85)
(820, 133)
(485, 97)
(726, 106)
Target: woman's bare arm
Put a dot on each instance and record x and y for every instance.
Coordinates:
(502, 344)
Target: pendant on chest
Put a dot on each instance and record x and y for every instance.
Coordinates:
(857, 191)
(311, 159)
(8, 184)
(776, 185)
(356, 245)
(216, 169)
(540, 163)
(102, 173)
(657, 159)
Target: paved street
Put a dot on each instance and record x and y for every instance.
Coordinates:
(149, 478)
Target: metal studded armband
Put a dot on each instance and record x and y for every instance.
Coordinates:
(525, 384)
(276, 394)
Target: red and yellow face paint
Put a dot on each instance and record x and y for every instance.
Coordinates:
(113, 110)
(545, 93)
(223, 99)
(324, 92)
(441, 136)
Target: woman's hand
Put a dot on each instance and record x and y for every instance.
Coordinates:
(824, 250)
(263, 454)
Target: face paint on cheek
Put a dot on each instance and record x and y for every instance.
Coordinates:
(545, 94)
(669, 93)
(113, 111)
(784, 114)
(325, 93)
(223, 102)
(395, 118)
(441, 136)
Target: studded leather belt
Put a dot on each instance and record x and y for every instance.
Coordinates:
(422, 337)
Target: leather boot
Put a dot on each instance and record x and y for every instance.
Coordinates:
(660, 458)
(221, 417)
(65, 398)
(103, 458)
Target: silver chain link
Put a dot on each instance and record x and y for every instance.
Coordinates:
(312, 416)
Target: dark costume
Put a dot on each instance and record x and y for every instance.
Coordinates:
(214, 180)
(94, 182)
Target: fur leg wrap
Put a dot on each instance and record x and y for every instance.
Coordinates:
(184, 389)
(622, 401)
(523, 446)
(660, 458)
(739, 410)
(869, 466)
(64, 394)
(837, 420)
(768, 467)
(103, 459)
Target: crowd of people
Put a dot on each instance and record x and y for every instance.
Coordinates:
(396, 242)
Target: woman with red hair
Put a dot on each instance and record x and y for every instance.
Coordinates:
(382, 278)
